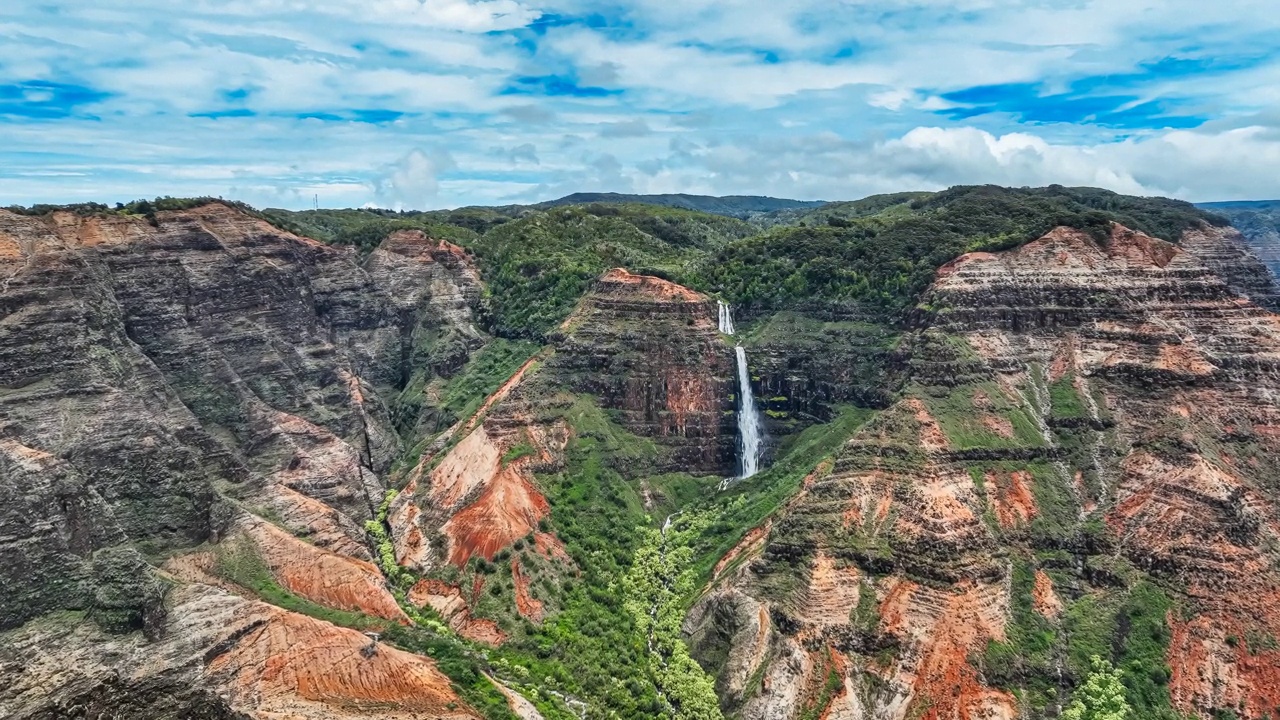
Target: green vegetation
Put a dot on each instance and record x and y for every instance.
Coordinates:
(127, 594)
(483, 374)
(1101, 697)
(1029, 655)
(138, 208)
(365, 229)
(882, 261)
(749, 502)
(981, 416)
(537, 267)
(1144, 636)
(517, 451)
(823, 294)
(377, 529)
(1065, 400)
(1128, 627)
(874, 255)
(238, 560)
(656, 588)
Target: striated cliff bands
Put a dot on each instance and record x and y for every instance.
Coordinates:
(247, 474)
(1082, 450)
(162, 377)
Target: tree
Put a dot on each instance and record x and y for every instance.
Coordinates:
(1101, 697)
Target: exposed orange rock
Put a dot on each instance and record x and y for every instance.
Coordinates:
(1011, 498)
(1140, 249)
(1214, 664)
(1184, 359)
(323, 577)
(508, 509)
(1172, 515)
(931, 435)
(488, 503)
(528, 606)
(1044, 599)
(951, 625)
(550, 547)
(652, 286)
(832, 592)
(999, 425)
(289, 665)
(234, 658)
(448, 601)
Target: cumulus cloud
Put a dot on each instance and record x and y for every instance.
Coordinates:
(413, 181)
(1192, 165)
(276, 101)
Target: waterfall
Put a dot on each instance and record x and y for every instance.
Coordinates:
(749, 431)
(748, 418)
(726, 320)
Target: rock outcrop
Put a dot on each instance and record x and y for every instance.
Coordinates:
(220, 657)
(650, 349)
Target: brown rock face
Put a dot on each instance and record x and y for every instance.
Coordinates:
(323, 577)
(147, 367)
(220, 657)
(651, 349)
(1063, 383)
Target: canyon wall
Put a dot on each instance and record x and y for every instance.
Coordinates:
(1080, 419)
(163, 380)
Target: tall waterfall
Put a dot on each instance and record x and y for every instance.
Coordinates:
(748, 418)
(749, 432)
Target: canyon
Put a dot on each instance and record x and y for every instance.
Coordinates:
(248, 473)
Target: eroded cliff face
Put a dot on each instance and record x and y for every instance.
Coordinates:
(221, 656)
(641, 346)
(1087, 427)
(161, 383)
(650, 349)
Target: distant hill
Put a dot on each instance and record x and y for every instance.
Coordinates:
(1259, 221)
(739, 206)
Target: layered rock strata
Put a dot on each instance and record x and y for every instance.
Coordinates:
(161, 382)
(1062, 386)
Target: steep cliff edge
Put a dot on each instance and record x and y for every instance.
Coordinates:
(1080, 464)
(1259, 223)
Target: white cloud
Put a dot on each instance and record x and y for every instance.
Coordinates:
(412, 181)
(809, 98)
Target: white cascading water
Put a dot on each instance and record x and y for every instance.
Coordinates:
(726, 320)
(748, 417)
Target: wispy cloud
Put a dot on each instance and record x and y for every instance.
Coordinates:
(275, 101)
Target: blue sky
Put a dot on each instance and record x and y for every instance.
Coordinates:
(440, 103)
